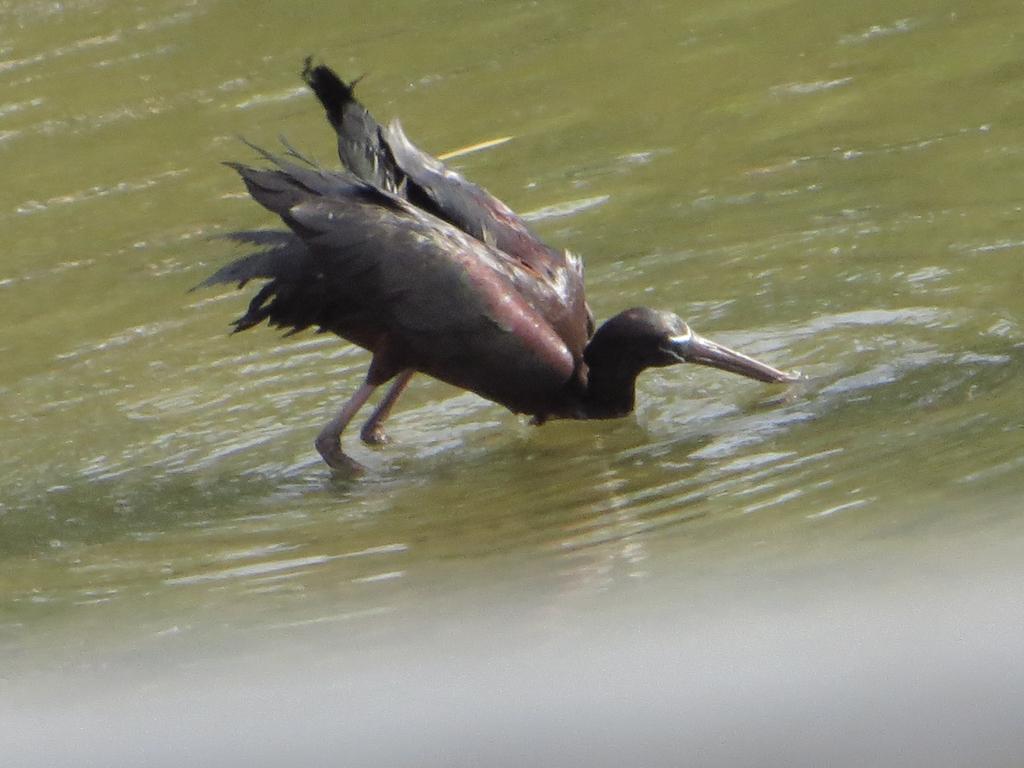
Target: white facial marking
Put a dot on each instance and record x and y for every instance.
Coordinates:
(683, 338)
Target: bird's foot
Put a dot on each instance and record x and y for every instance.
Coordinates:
(374, 435)
(329, 448)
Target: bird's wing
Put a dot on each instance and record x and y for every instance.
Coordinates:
(385, 157)
(379, 271)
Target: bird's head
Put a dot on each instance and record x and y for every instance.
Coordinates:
(641, 338)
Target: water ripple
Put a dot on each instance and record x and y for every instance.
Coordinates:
(568, 208)
(876, 31)
(290, 565)
(60, 51)
(804, 89)
(29, 207)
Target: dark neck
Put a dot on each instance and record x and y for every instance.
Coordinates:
(611, 392)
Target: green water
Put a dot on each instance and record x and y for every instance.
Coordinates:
(834, 188)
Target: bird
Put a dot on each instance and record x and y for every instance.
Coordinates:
(399, 254)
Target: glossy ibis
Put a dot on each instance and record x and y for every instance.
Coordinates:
(406, 258)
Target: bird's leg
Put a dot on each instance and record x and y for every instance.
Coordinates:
(328, 442)
(372, 432)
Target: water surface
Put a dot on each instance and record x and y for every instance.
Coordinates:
(833, 188)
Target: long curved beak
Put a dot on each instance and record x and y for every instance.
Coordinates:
(693, 348)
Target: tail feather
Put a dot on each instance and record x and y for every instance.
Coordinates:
(333, 92)
(288, 300)
(258, 310)
(283, 189)
(278, 189)
(270, 188)
(362, 148)
(264, 237)
(295, 296)
(284, 261)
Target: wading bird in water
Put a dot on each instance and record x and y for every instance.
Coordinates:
(429, 272)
